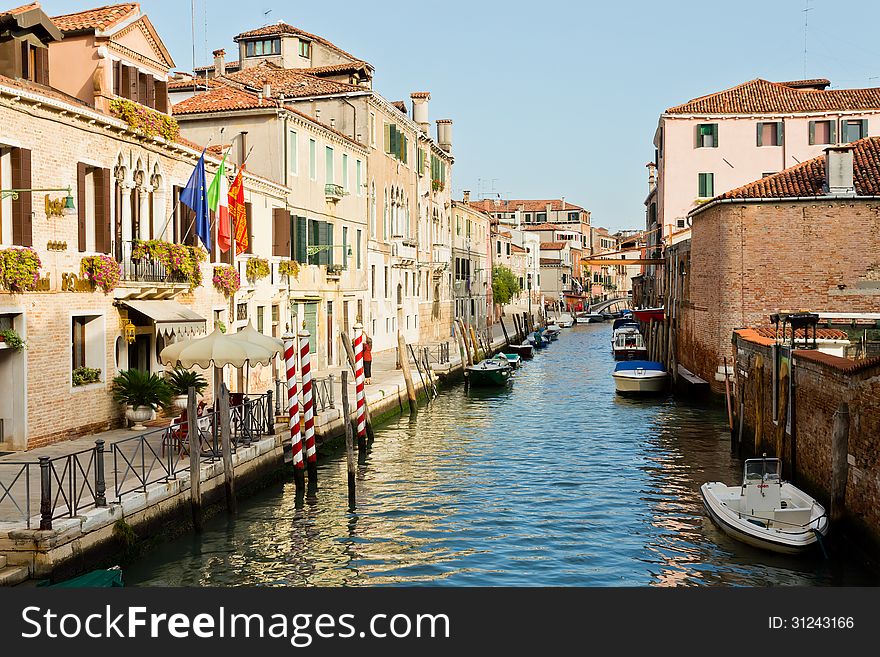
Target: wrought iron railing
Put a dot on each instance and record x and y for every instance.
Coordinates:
(325, 397)
(144, 269)
(73, 483)
(436, 353)
(334, 191)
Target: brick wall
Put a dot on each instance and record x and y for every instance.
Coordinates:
(749, 260)
(822, 384)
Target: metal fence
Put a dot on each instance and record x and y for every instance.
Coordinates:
(73, 483)
(435, 353)
(145, 269)
(325, 397)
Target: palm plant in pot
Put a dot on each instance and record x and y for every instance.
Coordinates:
(181, 380)
(143, 393)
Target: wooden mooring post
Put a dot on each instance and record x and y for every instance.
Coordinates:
(839, 464)
(476, 345)
(195, 450)
(226, 446)
(349, 443)
(464, 339)
(458, 343)
(349, 352)
(403, 357)
(759, 404)
(784, 377)
(504, 330)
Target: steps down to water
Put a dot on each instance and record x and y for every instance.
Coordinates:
(12, 575)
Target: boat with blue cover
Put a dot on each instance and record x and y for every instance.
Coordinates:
(489, 372)
(639, 376)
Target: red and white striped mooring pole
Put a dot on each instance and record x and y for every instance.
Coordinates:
(305, 362)
(290, 345)
(360, 394)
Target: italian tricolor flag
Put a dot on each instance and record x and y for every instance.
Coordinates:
(218, 201)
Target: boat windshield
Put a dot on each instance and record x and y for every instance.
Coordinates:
(762, 470)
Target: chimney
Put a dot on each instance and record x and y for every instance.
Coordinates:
(219, 62)
(652, 176)
(466, 196)
(563, 204)
(420, 109)
(444, 134)
(839, 170)
(267, 90)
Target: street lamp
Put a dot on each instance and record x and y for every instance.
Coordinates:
(529, 288)
(53, 208)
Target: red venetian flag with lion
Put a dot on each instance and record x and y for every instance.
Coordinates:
(238, 214)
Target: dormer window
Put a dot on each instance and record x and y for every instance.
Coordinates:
(305, 49)
(262, 47)
(34, 63)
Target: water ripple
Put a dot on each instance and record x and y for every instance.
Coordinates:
(555, 481)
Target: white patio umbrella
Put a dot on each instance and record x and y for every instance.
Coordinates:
(252, 336)
(217, 349)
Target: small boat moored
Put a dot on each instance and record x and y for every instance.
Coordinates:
(766, 512)
(565, 321)
(513, 360)
(639, 376)
(647, 314)
(489, 372)
(524, 350)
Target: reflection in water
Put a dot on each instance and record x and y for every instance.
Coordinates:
(554, 481)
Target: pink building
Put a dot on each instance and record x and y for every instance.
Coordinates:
(718, 142)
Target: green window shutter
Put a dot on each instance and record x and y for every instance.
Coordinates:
(812, 132)
(328, 237)
(833, 131)
(780, 133)
(698, 137)
(387, 137)
(760, 134)
(301, 240)
(710, 185)
(344, 258)
(715, 135)
(864, 128)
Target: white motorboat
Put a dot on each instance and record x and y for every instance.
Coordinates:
(588, 318)
(765, 511)
(565, 320)
(628, 344)
(639, 376)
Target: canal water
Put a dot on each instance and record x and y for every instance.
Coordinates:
(554, 481)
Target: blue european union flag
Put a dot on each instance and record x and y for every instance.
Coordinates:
(195, 196)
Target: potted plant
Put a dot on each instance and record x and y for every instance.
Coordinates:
(180, 380)
(143, 393)
(12, 339)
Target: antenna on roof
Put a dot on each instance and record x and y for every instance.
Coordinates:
(807, 9)
(266, 16)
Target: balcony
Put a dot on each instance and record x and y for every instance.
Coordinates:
(334, 271)
(441, 257)
(404, 251)
(334, 193)
(146, 278)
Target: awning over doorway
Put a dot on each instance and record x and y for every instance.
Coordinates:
(170, 317)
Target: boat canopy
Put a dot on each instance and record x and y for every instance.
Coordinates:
(625, 365)
(624, 322)
(763, 469)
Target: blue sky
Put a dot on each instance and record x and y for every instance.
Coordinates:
(551, 98)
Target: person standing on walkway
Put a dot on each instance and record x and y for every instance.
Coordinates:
(368, 359)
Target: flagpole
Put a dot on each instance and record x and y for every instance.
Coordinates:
(177, 202)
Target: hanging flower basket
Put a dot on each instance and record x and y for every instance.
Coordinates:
(289, 268)
(181, 262)
(19, 269)
(102, 270)
(226, 279)
(144, 120)
(256, 269)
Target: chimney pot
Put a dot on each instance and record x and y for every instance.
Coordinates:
(219, 62)
(839, 170)
(444, 134)
(267, 90)
(420, 109)
(466, 196)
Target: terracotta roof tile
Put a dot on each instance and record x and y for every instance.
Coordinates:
(33, 87)
(223, 98)
(321, 71)
(836, 362)
(420, 94)
(552, 246)
(517, 249)
(281, 28)
(540, 227)
(210, 67)
(227, 98)
(20, 10)
(763, 97)
(821, 333)
(488, 205)
(290, 82)
(399, 104)
(190, 83)
(99, 18)
(808, 178)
